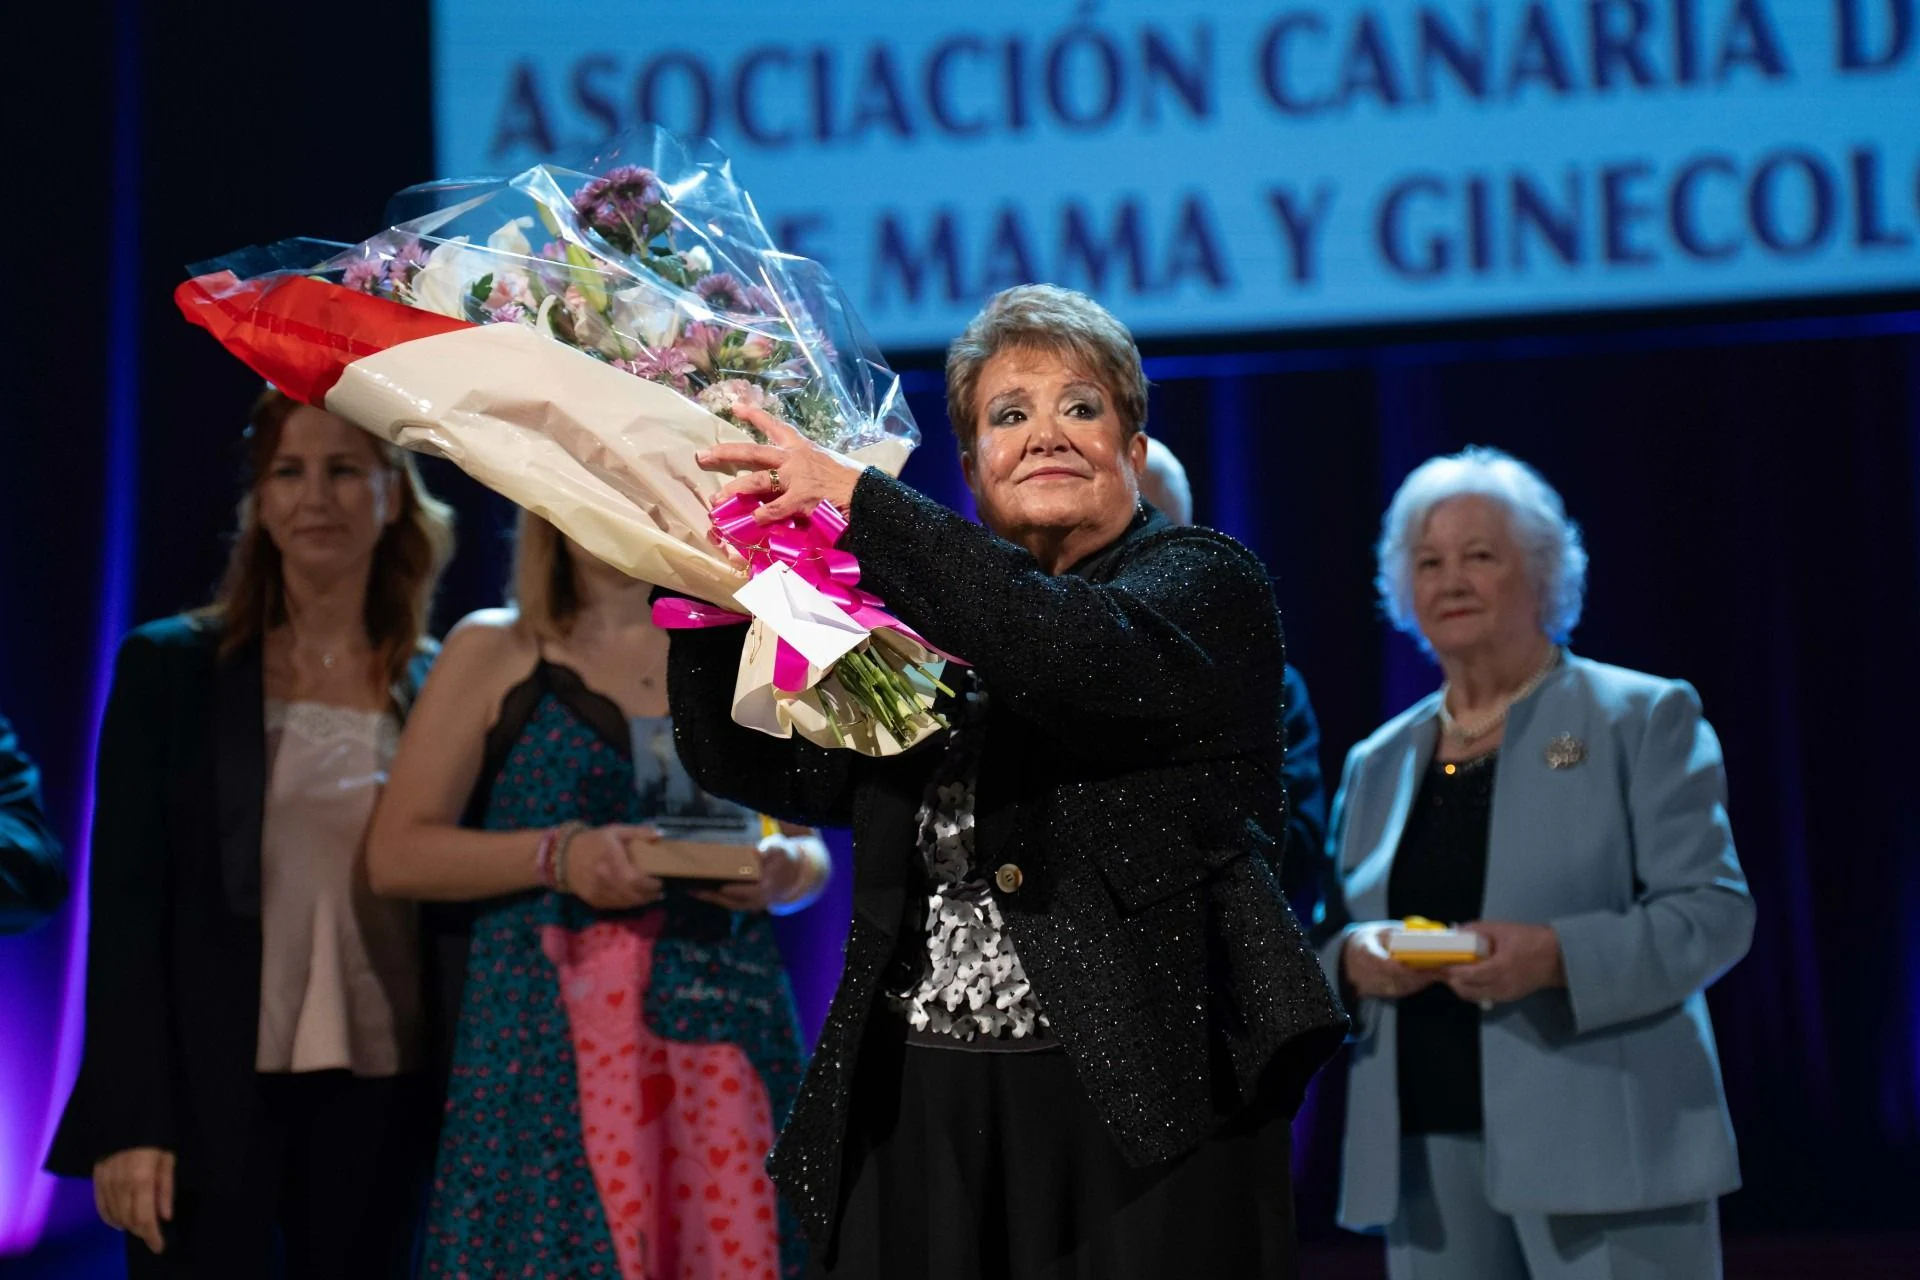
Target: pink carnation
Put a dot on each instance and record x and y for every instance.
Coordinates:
(757, 349)
(700, 345)
(509, 289)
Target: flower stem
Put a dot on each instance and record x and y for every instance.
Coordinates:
(874, 684)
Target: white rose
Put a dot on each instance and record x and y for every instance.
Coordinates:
(698, 260)
(441, 286)
(648, 315)
(512, 238)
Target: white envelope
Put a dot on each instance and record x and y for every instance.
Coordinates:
(796, 611)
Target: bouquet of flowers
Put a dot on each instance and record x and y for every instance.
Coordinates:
(572, 339)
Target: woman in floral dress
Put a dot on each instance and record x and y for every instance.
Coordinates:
(626, 1048)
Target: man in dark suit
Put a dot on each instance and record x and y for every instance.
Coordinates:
(1164, 484)
(33, 883)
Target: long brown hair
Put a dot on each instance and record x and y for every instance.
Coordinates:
(543, 588)
(413, 549)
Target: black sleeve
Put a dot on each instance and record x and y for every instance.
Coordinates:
(124, 1095)
(785, 778)
(33, 881)
(1306, 851)
(1186, 630)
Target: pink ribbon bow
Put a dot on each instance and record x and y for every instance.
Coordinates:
(803, 543)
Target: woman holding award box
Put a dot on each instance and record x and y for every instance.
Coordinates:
(625, 1048)
(1553, 1108)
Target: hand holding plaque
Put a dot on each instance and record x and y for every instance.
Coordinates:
(692, 855)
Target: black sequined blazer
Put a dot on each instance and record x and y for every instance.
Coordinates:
(1130, 771)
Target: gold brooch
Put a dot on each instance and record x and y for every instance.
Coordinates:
(1565, 751)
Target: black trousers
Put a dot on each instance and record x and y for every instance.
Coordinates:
(332, 1185)
(966, 1165)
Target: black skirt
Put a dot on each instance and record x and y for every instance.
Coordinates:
(971, 1165)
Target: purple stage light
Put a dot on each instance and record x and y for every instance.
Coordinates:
(29, 1117)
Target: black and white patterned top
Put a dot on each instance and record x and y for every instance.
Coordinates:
(973, 985)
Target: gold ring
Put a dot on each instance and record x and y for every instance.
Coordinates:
(773, 477)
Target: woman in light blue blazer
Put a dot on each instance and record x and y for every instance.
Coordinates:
(1554, 1109)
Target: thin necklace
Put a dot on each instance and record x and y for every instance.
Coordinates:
(328, 657)
(1487, 724)
(647, 679)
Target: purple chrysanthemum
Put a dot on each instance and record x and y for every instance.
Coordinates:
(364, 275)
(618, 203)
(722, 292)
(408, 257)
(726, 292)
(670, 366)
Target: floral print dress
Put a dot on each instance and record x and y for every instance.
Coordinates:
(617, 1077)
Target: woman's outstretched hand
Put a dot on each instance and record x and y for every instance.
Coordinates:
(791, 472)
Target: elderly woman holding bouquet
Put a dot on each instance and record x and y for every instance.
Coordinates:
(1553, 1109)
(1076, 1015)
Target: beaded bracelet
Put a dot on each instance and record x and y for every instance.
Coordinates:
(547, 864)
(543, 857)
(566, 831)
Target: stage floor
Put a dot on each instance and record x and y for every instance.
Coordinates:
(95, 1254)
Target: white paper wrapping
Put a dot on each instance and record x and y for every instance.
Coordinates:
(608, 459)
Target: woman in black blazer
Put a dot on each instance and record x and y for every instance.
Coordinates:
(1076, 1014)
(254, 1043)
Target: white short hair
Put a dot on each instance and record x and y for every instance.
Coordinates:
(1164, 483)
(1556, 559)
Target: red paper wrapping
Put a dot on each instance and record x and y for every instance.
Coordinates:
(299, 333)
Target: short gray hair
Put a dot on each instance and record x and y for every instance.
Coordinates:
(1046, 317)
(1556, 559)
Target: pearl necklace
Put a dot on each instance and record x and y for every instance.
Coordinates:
(1487, 724)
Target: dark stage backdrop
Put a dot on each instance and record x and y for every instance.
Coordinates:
(1748, 491)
